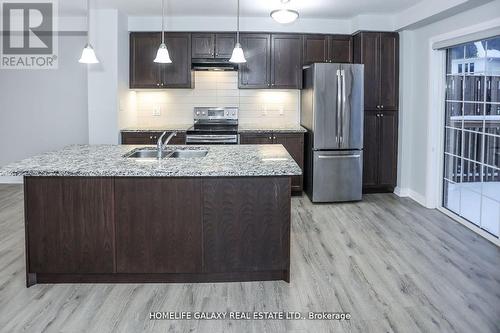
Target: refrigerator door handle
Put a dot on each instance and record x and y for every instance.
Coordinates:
(342, 116)
(324, 157)
(339, 106)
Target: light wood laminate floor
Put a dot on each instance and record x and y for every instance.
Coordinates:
(393, 265)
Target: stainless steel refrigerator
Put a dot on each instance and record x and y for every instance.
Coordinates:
(332, 112)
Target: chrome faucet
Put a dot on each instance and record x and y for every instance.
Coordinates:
(161, 146)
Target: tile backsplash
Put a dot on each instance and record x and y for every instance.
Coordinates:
(175, 106)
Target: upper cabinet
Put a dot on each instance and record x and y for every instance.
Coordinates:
(340, 48)
(213, 45)
(273, 61)
(256, 72)
(379, 52)
(203, 45)
(146, 74)
(286, 61)
(327, 48)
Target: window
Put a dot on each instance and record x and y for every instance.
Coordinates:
(471, 183)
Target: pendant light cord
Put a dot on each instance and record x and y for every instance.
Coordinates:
(238, 23)
(163, 21)
(88, 22)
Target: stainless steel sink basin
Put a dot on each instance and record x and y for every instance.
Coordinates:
(184, 153)
(151, 153)
(145, 153)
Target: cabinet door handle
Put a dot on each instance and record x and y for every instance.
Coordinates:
(381, 106)
(157, 84)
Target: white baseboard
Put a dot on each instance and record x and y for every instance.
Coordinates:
(401, 192)
(11, 180)
(409, 193)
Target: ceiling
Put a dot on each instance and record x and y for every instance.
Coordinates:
(251, 8)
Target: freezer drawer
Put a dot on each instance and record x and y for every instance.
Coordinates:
(337, 176)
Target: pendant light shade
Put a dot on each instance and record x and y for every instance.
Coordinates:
(238, 57)
(162, 56)
(88, 53)
(284, 15)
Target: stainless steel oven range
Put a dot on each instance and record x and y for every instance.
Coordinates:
(213, 126)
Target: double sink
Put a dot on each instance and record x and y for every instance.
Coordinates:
(152, 153)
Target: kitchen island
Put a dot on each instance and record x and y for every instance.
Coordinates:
(93, 215)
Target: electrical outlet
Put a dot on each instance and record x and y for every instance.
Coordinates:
(264, 110)
(157, 111)
(282, 111)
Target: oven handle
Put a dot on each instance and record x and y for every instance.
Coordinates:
(213, 137)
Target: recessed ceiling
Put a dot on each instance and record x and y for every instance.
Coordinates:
(251, 8)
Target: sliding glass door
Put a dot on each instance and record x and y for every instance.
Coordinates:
(471, 184)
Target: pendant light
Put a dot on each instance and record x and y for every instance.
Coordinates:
(162, 55)
(238, 57)
(284, 15)
(88, 53)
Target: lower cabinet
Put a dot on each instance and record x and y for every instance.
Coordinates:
(380, 151)
(236, 240)
(69, 225)
(137, 229)
(150, 138)
(158, 225)
(293, 142)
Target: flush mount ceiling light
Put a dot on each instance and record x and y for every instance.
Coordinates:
(162, 56)
(238, 57)
(88, 53)
(284, 15)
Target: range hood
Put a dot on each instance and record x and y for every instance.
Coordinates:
(213, 65)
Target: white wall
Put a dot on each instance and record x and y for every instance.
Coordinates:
(416, 151)
(106, 79)
(43, 110)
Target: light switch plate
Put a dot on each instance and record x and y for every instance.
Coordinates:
(157, 111)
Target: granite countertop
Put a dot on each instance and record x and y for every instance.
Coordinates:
(242, 128)
(170, 127)
(108, 161)
(263, 129)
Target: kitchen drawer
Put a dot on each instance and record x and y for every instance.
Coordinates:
(150, 138)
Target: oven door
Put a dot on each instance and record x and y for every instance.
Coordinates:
(211, 139)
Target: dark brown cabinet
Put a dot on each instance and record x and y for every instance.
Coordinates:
(256, 72)
(236, 241)
(380, 150)
(286, 61)
(379, 52)
(340, 48)
(212, 45)
(273, 61)
(163, 239)
(54, 202)
(293, 142)
(203, 45)
(150, 138)
(146, 74)
(327, 48)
